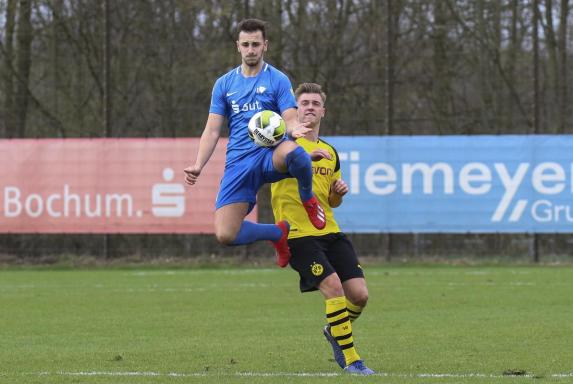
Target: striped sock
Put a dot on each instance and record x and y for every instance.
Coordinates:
(340, 327)
(354, 311)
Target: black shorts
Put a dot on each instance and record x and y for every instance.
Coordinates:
(317, 257)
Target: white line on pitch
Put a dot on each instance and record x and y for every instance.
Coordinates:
(289, 374)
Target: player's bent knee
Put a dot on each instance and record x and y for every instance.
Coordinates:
(360, 298)
(280, 155)
(225, 237)
(288, 146)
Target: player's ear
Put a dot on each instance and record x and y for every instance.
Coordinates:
(266, 46)
(238, 47)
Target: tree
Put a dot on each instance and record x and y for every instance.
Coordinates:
(8, 78)
(24, 38)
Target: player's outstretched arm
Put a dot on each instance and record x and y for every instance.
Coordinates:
(338, 189)
(207, 144)
(295, 129)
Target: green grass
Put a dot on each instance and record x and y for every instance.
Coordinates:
(435, 324)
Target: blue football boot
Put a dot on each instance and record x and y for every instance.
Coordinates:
(358, 368)
(336, 350)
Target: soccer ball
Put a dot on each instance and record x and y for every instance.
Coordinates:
(267, 128)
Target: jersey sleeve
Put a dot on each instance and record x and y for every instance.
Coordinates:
(218, 104)
(285, 94)
(337, 174)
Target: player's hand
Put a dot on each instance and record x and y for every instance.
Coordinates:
(300, 130)
(319, 154)
(192, 174)
(339, 187)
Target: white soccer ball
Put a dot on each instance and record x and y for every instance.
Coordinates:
(267, 128)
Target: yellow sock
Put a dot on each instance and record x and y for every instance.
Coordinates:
(340, 327)
(354, 311)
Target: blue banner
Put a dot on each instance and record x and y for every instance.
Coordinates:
(456, 184)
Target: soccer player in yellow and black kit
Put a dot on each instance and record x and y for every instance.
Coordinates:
(324, 258)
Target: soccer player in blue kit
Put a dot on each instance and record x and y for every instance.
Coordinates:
(237, 95)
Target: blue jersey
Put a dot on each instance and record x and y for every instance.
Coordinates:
(238, 98)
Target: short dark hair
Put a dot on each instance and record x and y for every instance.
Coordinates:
(310, 88)
(252, 25)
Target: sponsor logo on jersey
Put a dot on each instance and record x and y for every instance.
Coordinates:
(322, 171)
(256, 106)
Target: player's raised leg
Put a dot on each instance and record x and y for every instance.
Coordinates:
(231, 228)
(291, 158)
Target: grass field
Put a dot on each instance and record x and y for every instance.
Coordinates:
(435, 324)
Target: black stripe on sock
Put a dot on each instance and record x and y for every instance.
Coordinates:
(347, 346)
(336, 313)
(338, 322)
(352, 312)
(340, 338)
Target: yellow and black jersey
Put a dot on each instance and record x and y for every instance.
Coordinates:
(285, 198)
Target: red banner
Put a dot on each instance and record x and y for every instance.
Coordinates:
(106, 186)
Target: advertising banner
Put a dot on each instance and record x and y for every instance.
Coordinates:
(457, 184)
(423, 184)
(106, 186)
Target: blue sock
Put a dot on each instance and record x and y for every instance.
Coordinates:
(299, 166)
(251, 232)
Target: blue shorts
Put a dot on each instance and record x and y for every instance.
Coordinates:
(245, 176)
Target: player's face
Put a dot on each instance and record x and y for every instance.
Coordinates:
(310, 108)
(252, 46)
